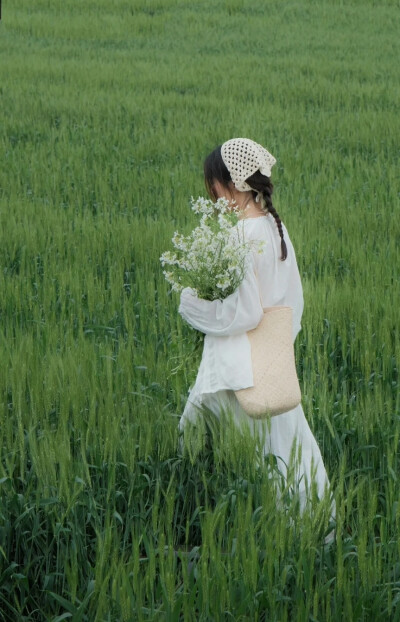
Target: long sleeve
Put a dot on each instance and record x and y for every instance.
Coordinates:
(226, 362)
(235, 315)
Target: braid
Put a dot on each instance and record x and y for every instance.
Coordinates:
(262, 183)
(267, 198)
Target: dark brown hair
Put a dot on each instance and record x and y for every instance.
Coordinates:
(215, 169)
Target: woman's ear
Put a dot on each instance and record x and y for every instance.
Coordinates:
(232, 189)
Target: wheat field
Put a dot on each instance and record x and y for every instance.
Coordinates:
(108, 111)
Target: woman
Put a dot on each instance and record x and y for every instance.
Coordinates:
(240, 169)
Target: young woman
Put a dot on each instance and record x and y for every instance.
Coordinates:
(240, 169)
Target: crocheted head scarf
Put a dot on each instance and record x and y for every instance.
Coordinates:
(243, 157)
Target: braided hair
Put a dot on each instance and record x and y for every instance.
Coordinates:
(215, 169)
(262, 183)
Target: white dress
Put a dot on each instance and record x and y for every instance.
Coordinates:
(226, 360)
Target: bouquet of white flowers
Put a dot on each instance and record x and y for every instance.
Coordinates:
(212, 258)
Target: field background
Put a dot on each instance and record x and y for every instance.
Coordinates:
(108, 109)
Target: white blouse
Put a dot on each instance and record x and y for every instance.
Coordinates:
(226, 359)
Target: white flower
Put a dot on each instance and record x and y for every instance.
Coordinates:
(223, 284)
(213, 258)
(167, 258)
(176, 287)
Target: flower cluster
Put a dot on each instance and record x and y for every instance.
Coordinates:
(212, 258)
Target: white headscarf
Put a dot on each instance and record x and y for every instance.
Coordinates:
(243, 157)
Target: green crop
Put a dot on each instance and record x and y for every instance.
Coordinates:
(108, 110)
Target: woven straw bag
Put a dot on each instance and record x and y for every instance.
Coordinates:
(276, 387)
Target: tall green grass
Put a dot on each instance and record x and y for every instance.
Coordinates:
(108, 110)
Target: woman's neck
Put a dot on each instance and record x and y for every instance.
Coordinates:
(251, 210)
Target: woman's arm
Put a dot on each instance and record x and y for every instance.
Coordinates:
(235, 315)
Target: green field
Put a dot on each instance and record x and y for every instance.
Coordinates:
(107, 112)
